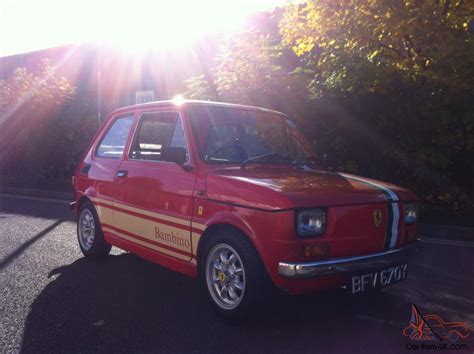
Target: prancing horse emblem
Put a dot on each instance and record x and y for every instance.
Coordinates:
(377, 217)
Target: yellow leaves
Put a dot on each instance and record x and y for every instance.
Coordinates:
(302, 48)
(39, 86)
(373, 54)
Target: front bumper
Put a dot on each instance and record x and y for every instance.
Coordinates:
(347, 264)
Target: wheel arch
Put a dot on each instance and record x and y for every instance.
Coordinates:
(83, 199)
(212, 230)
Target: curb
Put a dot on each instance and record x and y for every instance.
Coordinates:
(446, 232)
(37, 193)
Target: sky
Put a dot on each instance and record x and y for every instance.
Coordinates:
(28, 25)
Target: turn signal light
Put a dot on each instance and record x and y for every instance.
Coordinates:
(318, 250)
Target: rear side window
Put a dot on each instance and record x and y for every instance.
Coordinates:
(155, 132)
(113, 143)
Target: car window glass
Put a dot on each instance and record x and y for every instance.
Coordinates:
(154, 133)
(178, 139)
(233, 135)
(223, 142)
(113, 143)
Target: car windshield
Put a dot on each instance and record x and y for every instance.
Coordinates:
(239, 135)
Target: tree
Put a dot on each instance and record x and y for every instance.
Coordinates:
(37, 90)
(414, 39)
(252, 68)
(29, 101)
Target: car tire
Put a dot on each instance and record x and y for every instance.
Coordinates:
(89, 233)
(233, 276)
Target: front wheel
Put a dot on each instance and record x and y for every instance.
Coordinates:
(234, 277)
(89, 234)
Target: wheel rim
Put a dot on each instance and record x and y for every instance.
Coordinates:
(225, 275)
(86, 229)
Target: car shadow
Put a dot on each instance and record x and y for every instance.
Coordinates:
(126, 304)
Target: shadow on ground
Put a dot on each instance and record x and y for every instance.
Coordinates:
(126, 304)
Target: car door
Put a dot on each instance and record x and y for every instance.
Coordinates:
(105, 159)
(153, 198)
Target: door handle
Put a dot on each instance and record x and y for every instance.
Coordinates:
(122, 174)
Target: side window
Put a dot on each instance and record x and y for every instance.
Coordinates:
(156, 131)
(113, 142)
(178, 139)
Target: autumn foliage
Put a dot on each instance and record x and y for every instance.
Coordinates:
(41, 130)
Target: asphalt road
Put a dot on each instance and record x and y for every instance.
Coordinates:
(54, 300)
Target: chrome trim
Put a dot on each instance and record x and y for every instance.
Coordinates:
(347, 264)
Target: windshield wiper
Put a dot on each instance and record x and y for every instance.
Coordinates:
(259, 157)
(309, 160)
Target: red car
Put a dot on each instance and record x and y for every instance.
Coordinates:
(233, 195)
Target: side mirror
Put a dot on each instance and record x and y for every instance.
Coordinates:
(174, 154)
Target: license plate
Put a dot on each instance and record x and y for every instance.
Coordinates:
(379, 278)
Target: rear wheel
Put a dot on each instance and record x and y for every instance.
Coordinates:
(233, 275)
(89, 234)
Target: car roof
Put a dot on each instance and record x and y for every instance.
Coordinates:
(182, 103)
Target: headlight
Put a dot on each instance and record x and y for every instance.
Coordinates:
(411, 213)
(310, 222)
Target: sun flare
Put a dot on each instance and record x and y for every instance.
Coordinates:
(133, 25)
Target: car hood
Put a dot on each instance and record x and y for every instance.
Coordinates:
(277, 188)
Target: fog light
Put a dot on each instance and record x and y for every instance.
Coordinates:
(318, 250)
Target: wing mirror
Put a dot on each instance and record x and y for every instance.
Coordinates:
(176, 155)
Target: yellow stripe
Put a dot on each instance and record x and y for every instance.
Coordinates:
(148, 229)
(150, 213)
(106, 215)
(146, 244)
(195, 237)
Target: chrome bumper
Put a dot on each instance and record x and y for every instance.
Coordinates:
(347, 264)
